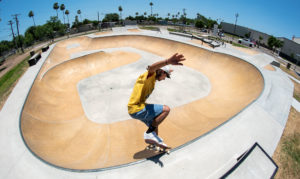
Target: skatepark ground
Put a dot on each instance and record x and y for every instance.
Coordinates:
(68, 113)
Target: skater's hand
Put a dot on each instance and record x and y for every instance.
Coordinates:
(176, 59)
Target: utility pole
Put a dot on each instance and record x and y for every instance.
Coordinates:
(17, 23)
(12, 31)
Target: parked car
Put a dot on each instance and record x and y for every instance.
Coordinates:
(246, 42)
(204, 30)
(220, 34)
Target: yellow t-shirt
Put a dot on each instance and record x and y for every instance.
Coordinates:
(141, 91)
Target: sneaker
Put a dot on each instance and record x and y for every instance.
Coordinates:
(163, 144)
(152, 136)
(159, 138)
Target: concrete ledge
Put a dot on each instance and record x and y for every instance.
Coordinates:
(255, 163)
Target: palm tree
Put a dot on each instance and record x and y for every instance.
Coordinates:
(145, 13)
(31, 15)
(136, 14)
(67, 13)
(151, 4)
(55, 7)
(79, 12)
(62, 8)
(120, 9)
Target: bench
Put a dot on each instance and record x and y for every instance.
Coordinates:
(44, 49)
(211, 43)
(34, 59)
(182, 34)
(214, 44)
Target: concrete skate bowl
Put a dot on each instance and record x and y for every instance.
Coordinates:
(56, 130)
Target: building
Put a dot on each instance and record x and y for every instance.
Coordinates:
(290, 49)
(242, 31)
(296, 39)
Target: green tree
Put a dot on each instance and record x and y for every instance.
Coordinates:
(79, 13)
(31, 15)
(278, 43)
(56, 7)
(20, 40)
(95, 23)
(151, 4)
(86, 21)
(29, 40)
(62, 8)
(4, 47)
(199, 24)
(55, 27)
(130, 18)
(247, 35)
(260, 39)
(112, 17)
(271, 42)
(31, 32)
(49, 32)
(40, 33)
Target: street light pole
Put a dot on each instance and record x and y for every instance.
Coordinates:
(236, 16)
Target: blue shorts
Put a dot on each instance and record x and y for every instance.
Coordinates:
(148, 114)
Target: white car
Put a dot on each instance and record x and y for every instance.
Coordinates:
(246, 42)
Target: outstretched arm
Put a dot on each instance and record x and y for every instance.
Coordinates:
(175, 59)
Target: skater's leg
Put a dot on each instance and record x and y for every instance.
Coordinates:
(160, 118)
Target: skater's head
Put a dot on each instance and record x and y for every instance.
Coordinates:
(163, 73)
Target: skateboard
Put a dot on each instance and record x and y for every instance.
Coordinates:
(153, 145)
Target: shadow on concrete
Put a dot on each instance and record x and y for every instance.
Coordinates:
(150, 155)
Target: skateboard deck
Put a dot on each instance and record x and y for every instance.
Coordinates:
(153, 145)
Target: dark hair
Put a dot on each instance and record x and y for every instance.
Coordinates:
(159, 72)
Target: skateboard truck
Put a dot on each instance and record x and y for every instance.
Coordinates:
(153, 145)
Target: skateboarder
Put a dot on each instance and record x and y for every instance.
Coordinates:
(151, 114)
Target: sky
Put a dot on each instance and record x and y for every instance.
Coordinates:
(280, 18)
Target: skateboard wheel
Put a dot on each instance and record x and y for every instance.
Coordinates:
(157, 148)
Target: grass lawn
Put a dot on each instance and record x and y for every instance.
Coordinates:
(238, 45)
(9, 80)
(149, 28)
(287, 154)
(290, 72)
